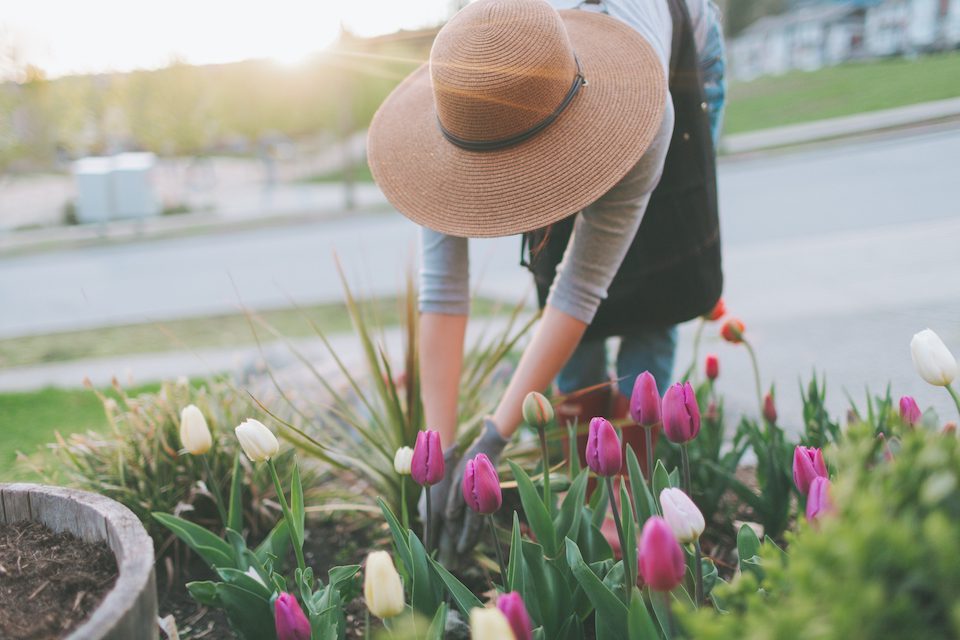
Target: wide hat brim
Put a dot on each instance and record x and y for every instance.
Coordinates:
(597, 139)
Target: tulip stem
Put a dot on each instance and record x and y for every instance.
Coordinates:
(953, 394)
(697, 337)
(403, 503)
(756, 374)
(628, 580)
(698, 573)
(546, 469)
(666, 607)
(685, 463)
(648, 440)
(215, 487)
(293, 529)
(496, 545)
(426, 525)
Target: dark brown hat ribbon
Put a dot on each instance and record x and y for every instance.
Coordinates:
(493, 145)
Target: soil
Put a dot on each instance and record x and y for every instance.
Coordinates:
(49, 582)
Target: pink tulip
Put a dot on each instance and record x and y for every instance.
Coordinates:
(427, 464)
(807, 464)
(818, 500)
(604, 456)
(290, 622)
(713, 367)
(660, 559)
(909, 411)
(681, 414)
(512, 607)
(645, 400)
(481, 485)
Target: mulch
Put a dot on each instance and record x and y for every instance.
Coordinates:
(49, 582)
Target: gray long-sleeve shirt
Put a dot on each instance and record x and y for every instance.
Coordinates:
(603, 231)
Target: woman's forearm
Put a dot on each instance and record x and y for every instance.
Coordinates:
(441, 360)
(554, 341)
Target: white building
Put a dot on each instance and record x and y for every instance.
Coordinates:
(898, 27)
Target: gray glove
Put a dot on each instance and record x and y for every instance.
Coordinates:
(439, 493)
(461, 524)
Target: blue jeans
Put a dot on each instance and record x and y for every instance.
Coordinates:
(653, 349)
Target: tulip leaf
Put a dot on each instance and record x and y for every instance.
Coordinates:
(574, 458)
(645, 505)
(598, 504)
(547, 587)
(630, 535)
(592, 542)
(425, 594)
(536, 511)
(607, 604)
(571, 629)
(748, 544)
(235, 508)
(639, 623)
(675, 478)
(661, 479)
(515, 569)
(297, 507)
(250, 615)
(215, 551)
(462, 596)
(438, 624)
(660, 601)
(568, 518)
(245, 581)
(400, 543)
(274, 544)
(205, 592)
(710, 575)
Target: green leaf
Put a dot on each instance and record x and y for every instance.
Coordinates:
(250, 615)
(568, 518)
(275, 544)
(645, 504)
(574, 458)
(748, 544)
(235, 513)
(592, 542)
(547, 587)
(598, 505)
(629, 534)
(400, 543)
(214, 551)
(296, 504)
(425, 595)
(462, 596)
(639, 623)
(245, 581)
(239, 546)
(710, 575)
(661, 479)
(607, 604)
(536, 511)
(438, 624)
(515, 568)
(205, 592)
(661, 609)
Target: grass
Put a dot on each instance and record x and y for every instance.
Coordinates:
(839, 91)
(192, 333)
(361, 173)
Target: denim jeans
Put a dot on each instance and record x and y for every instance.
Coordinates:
(653, 349)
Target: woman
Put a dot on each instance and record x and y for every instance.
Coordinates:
(573, 128)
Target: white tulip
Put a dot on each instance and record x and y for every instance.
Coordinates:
(402, 460)
(489, 623)
(682, 515)
(382, 588)
(256, 440)
(932, 359)
(194, 433)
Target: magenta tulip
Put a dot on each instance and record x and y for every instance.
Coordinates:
(512, 607)
(807, 464)
(660, 558)
(604, 456)
(481, 485)
(681, 414)
(818, 500)
(645, 401)
(909, 411)
(427, 464)
(290, 622)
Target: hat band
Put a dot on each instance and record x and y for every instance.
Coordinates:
(493, 145)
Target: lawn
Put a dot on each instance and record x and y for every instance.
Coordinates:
(840, 91)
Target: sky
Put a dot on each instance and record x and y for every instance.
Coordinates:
(74, 36)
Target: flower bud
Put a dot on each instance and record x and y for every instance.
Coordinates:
(909, 411)
(660, 558)
(713, 366)
(681, 414)
(291, 623)
(537, 410)
(808, 464)
(732, 331)
(194, 433)
(950, 429)
(645, 401)
(512, 607)
(426, 466)
(818, 500)
(382, 588)
(402, 460)
(682, 515)
(256, 440)
(489, 624)
(719, 310)
(481, 485)
(769, 409)
(932, 359)
(604, 456)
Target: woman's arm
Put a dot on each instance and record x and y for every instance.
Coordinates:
(441, 359)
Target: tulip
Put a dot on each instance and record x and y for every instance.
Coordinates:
(681, 414)
(402, 460)
(512, 607)
(290, 621)
(382, 588)
(713, 367)
(194, 433)
(481, 485)
(732, 331)
(660, 559)
(769, 409)
(604, 456)
(537, 410)
(808, 465)
(719, 310)
(426, 466)
(818, 501)
(932, 359)
(256, 440)
(645, 401)
(489, 624)
(682, 515)
(909, 411)
(950, 429)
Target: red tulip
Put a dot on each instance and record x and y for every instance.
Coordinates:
(481, 485)
(718, 311)
(681, 414)
(660, 559)
(512, 607)
(732, 331)
(291, 623)
(427, 464)
(909, 411)
(603, 448)
(713, 366)
(645, 401)
(808, 464)
(818, 500)
(769, 409)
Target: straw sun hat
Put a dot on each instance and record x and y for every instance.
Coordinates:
(523, 116)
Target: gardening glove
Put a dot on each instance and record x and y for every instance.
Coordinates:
(461, 524)
(439, 492)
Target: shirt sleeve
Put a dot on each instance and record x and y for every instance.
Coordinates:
(603, 232)
(444, 273)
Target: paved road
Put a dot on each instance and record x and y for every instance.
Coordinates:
(834, 257)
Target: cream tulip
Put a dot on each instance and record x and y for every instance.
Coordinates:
(932, 359)
(382, 588)
(256, 440)
(489, 624)
(402, 460)
(194, 433)
(682, 515)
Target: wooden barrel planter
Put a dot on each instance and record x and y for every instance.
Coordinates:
(129, 610)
